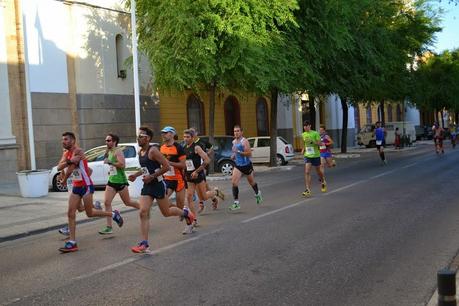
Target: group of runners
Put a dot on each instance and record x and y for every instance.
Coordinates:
(166, 169)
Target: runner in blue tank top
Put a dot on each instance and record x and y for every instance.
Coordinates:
(380, 135)
(241, 156)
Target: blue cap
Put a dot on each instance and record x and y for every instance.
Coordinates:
(168, 129)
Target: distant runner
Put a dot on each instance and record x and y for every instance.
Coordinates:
(380, 136)
(311, 153)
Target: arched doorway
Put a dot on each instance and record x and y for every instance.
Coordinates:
(262, 117)
(232, 114)
(195, 113)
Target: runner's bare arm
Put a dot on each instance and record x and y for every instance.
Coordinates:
(62, 162)
(154, 154)
(205, 158)
(180, 164)
(247, 152)
(120, 160)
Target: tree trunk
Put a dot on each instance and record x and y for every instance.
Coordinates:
(213, 87)
(273, 128)
(456, 117)
(344, 127)
(383, 117)
(437, 118)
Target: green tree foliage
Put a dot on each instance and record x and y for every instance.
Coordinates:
(435, 83)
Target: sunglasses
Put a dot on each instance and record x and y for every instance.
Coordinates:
(108, 140)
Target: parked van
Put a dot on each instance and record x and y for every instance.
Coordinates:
(366, 135)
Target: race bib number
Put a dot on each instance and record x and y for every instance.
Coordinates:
(323, 147)
(112, 170)
(189, 165)
(378, 142)
(171, 171)
(159, 177)
(76, 175)
(310, 150)
(145, 171)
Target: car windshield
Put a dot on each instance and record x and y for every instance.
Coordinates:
(95, 154)
(282, 139)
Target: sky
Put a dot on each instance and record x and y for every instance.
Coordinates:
(449, 37)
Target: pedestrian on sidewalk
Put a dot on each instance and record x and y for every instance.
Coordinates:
(74, 163)
(398, 138)
(117, 180)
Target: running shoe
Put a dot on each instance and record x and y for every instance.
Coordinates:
(214, 203)
(201, 207)
(188, 229)
(142, 247)
(69, 246)
(97, 205)
(219, 193)
(258, 197)
(306, 193)
(385, 162)
(106, 230)
(195, 223)
(64, 231)
(188, 216)
(117, 218)
(235, 206)
(324, 187)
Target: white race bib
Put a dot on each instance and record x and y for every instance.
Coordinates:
(112, 170)
(378, 142)
(76, 175)
(145, 171)
(159, 177)
(310, 150)
(189, 165)
(323, 147)
(171, 171)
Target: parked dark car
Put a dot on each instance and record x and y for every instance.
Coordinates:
(222, 153)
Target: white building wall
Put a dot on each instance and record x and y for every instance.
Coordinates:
(334, 114)
(6, 136)
(412, 114)
(46, 26)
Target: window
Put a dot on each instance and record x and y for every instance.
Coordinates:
(96, 154)
(232, 114)
(399, 113)
(129, 152)
(263, 142)
(262, 117)
(369, 119)
(195, 110)
(251, 142)
(357, 117)
(119, 46)
(389, 113)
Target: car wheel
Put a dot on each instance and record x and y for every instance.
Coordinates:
(280, 160)
(226, 167)
(57, 185)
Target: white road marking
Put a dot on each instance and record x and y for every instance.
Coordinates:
(142, 256)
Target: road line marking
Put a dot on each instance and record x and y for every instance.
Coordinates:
(344, 187)
(141, 256)
(277, 210)
(382, 174)
(410, 165)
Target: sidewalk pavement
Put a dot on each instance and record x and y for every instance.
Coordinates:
(20, 217)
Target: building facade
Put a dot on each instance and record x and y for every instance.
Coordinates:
(69, 60)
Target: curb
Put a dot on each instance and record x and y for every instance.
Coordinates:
(51, 228)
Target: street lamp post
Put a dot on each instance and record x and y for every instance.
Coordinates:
(135, 67)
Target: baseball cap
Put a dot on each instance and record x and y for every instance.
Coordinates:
(168, 129)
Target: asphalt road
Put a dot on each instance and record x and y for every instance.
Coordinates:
(377, 237)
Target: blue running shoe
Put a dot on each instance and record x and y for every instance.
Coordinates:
(69, 246)
(64, 231)
(117, 218)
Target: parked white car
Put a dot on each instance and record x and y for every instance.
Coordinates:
(260, 150)
(100, 170)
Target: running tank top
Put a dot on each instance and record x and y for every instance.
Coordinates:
(116, 175)
(193, 160)
(379, 134)
(80, 175)
(325, 148)
(149, 166)
(238, 146)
